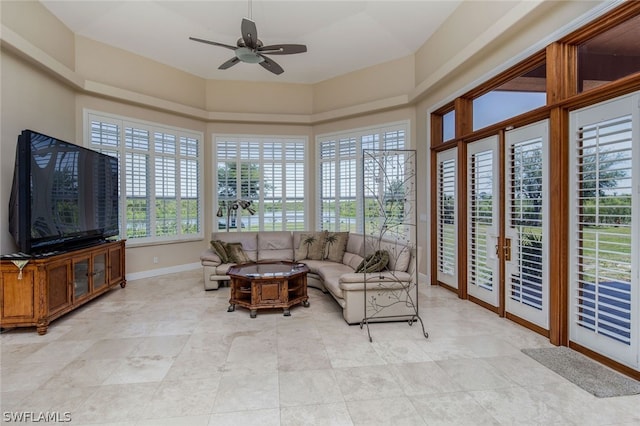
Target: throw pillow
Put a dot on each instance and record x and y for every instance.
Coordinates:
(335, 244)
(311, 246)
(236, 253)
(220, 249)
(375, 262)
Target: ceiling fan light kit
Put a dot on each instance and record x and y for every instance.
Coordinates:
(247, 55)
(251, 50)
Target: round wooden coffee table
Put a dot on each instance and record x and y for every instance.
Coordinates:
(268, 285)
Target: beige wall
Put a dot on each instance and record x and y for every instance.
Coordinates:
(261, 98)
(33, 22)
(381, 81)
(30, 100)
(116, 67)
(469, 21)
(47, 84)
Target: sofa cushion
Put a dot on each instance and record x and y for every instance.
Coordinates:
(375, 262)
(236, 253)
(311, 246)
(248, 239)
(355, 245)
(352, 260)
(330, 272)
(335, 244)
(220, 249)
(399, 255)
(275, 245)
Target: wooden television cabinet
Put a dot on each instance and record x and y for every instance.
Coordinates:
(52, 286)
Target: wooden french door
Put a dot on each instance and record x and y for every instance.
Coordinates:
(526, 216)
(516, 251)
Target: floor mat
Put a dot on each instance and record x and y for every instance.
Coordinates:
(584, 372)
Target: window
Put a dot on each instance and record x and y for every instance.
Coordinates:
(269, 173)
(340, 175)
(521, 94)
(449, 126)
(160, 175)
(609, 56)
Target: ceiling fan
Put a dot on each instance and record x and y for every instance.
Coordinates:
(249, 48)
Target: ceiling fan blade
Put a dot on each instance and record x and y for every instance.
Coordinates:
(231, 62)
(271, 65)
(249, 33)
(215, 43)
(282, 49)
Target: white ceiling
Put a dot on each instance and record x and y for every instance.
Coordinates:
(341, 36)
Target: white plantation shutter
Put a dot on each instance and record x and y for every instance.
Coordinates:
(166, 197)
(190, 206)
(326, 177)
(604, 241)
(603, 170)
(483, 219)
(480, 217)
(525, 217)
(447, 217)
(160, 177)
(294, 189)
(269, 171)
(527, 223)
(339, 173)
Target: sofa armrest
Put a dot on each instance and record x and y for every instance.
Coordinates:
(374, 277)
(388, 280)
(377, 283)
(210, 257)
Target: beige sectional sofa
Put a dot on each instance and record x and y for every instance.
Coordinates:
(389, 293)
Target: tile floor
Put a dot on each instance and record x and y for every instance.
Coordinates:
(164, 352)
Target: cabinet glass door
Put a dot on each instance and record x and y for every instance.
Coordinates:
(80, 278)
(99, 270)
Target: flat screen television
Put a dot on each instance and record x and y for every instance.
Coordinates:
(63, 196)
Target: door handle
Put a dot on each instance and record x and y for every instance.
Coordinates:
(507, 249)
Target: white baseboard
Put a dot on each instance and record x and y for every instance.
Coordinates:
(163, 271)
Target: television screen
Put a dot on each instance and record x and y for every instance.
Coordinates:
(63, 195)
